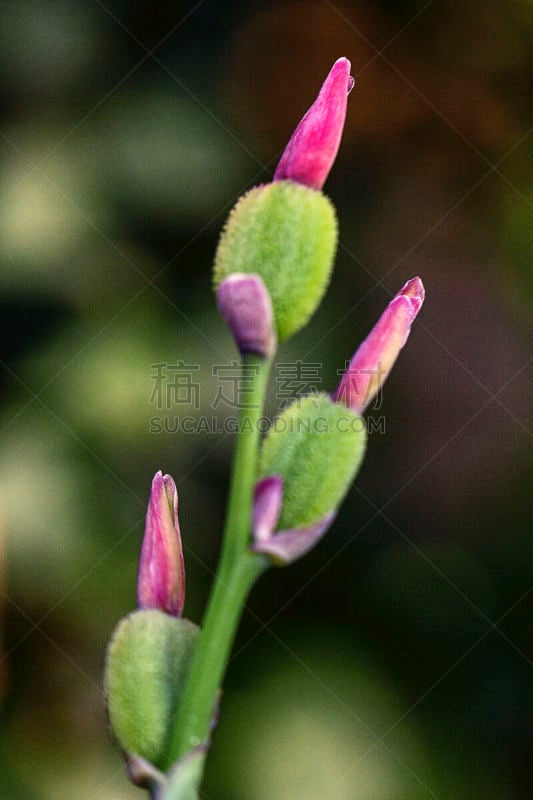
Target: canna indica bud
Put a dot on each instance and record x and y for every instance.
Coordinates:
(285, 546)
(148, 661)
(286, 231)
(151, 649)
(312, 451)
(161, 578)
(286, 234)
(314, 144)
(375, 357)
(244, 304)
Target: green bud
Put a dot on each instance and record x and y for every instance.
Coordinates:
(286, 233)
(147, 663)
(316, 446)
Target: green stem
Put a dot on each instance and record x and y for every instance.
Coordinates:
(238, 570)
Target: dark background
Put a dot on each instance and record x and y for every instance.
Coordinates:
(394, 662)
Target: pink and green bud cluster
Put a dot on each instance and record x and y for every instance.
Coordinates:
(161, 577)
(285, 232)
(306, 465)
(150, 653)
(375, 357)
(272, 268)
(309, 459)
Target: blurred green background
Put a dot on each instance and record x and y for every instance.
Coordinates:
(394, 662)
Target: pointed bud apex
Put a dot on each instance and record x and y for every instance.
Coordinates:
(313, 147)
(244, 304)
(161, 578)
(375, 357)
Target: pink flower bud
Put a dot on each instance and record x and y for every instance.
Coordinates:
(286, 546)
(161, 578)
(268, 496)
(313, 147)
(244, 304)
(375, 357)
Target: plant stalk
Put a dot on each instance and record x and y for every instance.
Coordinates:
(238, 570)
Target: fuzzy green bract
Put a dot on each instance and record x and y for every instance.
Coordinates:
(316, 446)
(287, 234)
(147, 663)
